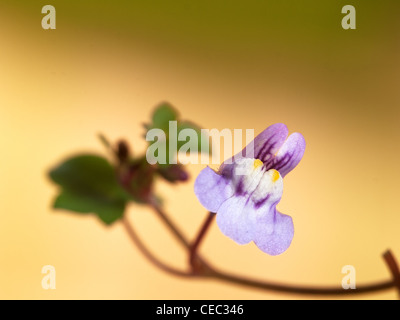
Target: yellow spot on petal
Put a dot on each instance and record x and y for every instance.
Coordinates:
(257, 163)
(275, 175)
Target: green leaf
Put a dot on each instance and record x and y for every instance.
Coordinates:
(108, 210)
(161, 118)
(89, 185)
(162, 115)
(200, 136)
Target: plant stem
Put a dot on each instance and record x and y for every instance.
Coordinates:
(171, 225)
(202, 269)
(306, 290)
(206, 271)
(200, 236)
(394, 268)
(136, 240)
(205, 268)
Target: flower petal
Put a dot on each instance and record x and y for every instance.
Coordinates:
(263, 147)
(267, 143)
(212, 189)
(289, 155)
(236, 218)
(274, 232)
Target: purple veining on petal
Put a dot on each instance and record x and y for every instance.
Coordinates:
(266, 144)
(239, 188)
(258, 204)
(289, 155)
(266, 153)
(282, 161)
(226, 169)
(212, 189)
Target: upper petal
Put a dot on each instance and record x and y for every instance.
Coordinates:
(212, 189)
(289, 155)
(267, 143)
(274, 232)
(263, 147)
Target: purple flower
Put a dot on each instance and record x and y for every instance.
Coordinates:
(245, 191)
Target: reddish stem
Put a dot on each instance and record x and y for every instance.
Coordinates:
(196, 266)
(134, 237)
(394, 268)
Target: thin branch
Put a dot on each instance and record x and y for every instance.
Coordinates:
(306, 290)
(106, 143)
(171, 225)
(394, 268)
(203, 269)
(136, 240)
(194, 247)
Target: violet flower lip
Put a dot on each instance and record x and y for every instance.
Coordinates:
(244, 192)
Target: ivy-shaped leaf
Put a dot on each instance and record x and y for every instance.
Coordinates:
(204, 148)
(160, 120)
(89, 185)
(162, 115)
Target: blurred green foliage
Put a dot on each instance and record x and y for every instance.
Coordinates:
(89, 184)
(161, 118)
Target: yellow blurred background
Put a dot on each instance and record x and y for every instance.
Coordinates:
(225, 64)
